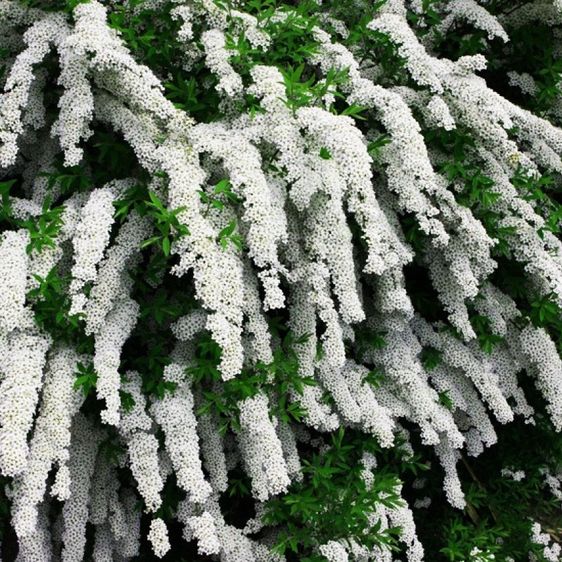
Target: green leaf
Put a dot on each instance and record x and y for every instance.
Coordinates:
(375, 378)
(355, 111)
(374, 147)
(150, 241)
(86, 378)
(127, 400)
(228, 230)
(223, 186)
(166, 246)
(445, 400)
(430, 358)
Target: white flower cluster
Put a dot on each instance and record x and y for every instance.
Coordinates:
(174, 414)
(83, 451)
(49, 30)
(24, 356)
(142, 446)
(158, 537)
(204, 530)
(321, 220)
(551, 552)
(89, 241)
(13, 278)
(552, 482)
(515, 475)
(111, 281)
(261, 449)
(479, 555)
(116, 329)
(216, 57)
(476, 15)
(333, 551)
(50, 442)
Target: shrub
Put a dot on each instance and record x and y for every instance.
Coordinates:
(280, 280)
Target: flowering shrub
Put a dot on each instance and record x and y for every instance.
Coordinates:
(279, 279)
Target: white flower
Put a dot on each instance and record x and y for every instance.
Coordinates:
(203, 529)
(50, 441)
(261, 449)
(22, 373)
(334, 552)
(174, 413)
(83, 450)
(158, 537)
(13, 275)
(111, 338)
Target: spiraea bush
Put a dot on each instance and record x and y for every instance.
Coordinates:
(280, 280)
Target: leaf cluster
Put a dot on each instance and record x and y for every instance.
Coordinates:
(334, 502)
(278, 380)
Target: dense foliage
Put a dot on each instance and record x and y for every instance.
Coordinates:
(281, 280)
